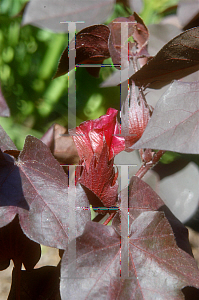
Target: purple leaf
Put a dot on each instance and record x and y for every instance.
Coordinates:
(176, 59)
(143, 198)
(4, 109)
(157, 267)
(49, 14)
(42, 185)
(174, 122)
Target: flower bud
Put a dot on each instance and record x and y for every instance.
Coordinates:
(134, 118)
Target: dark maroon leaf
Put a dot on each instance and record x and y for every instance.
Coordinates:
(91, 48)
(157, 267)
(100, 178)
(137, 30)
(42, 283)
(176, 59)
(62, 146)
(49, 14)
(40, 183)
(4, 109)
(5, 141)
(174, 123)
(16, 246)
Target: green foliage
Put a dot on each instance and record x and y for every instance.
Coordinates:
(152, 10)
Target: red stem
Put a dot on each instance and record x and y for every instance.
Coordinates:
(144, 168)
(109, 218)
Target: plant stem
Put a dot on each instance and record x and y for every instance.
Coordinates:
(109, 218)
(147, 166)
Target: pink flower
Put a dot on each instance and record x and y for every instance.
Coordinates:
(89, 137)
(134, 119)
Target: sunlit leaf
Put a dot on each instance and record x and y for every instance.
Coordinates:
(174, 123)
(157, 267)
(36, 187)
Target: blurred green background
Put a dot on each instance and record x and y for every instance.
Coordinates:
(28, 60)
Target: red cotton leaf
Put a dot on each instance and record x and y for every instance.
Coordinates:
(89, 137)
(175, 60)
(36, 187)
(157, 267)
(91, 48)
(137, 30)
(101, 178)
(174, 122)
